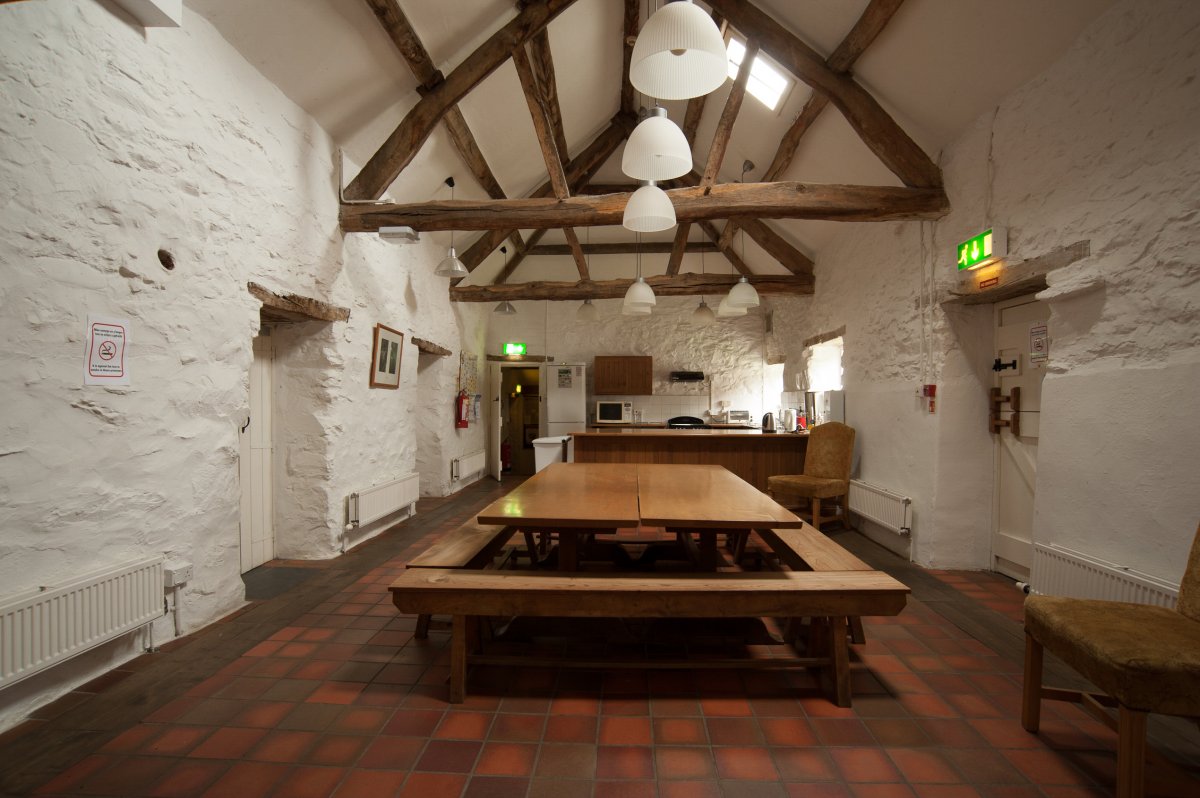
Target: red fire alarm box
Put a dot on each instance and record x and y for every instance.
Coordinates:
(462, 410)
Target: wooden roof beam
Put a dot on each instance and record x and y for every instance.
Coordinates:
(877, 129)
(733, 257)
(690, 284)
(621, 248)
(402, 145)
(678, 247)
(826, 202)
(632, 24)
(733, 104)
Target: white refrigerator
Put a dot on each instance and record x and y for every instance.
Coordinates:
(564, 386)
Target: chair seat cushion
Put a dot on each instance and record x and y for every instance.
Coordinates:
(808, 487)
(1148, 658)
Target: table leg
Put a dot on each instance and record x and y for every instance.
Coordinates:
(839, 654)
(568, 551)
(708, 550)
(458, 659)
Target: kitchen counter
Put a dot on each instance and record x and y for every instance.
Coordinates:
(630, 425)
(750, 453)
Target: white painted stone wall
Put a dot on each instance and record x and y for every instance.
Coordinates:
(730, 351)
(115, 142)
(1103, 146)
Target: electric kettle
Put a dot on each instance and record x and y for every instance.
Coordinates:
(788, 420)
(768, 424)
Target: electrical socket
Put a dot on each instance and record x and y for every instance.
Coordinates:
(177, 575)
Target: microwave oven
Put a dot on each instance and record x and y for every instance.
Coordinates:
(613, 412)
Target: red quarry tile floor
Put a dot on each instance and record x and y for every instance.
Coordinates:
(338, 698)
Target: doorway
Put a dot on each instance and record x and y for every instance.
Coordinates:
(516, 403)
(256, 461)
(1016, 323)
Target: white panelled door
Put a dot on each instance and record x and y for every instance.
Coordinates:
(1016, 455)
(493, 421)
(256, 462)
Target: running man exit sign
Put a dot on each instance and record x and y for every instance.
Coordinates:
(983, 248)
(514, 348)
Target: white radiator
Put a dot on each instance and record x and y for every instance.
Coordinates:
(1061, 572)
(468, 465)
(40, 628)
(881, 506)
(382, 500)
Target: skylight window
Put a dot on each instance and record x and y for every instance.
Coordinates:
(766, 83)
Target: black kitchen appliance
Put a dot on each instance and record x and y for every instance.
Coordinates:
(686, 422)
(687, 376)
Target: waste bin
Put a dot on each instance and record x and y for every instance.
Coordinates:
(550, 450)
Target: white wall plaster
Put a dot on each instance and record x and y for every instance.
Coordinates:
(1100, 147)
(115, 143)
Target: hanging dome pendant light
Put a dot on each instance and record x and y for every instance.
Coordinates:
(505, 308)
(656, 149)
(703, 315)
(679, 54)
(451, 266)
(649, 210)
(640, 296)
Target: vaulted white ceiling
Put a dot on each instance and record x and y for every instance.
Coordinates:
(936, 67)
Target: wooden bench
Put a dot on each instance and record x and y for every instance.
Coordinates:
(468, 595)
(472, 545)
(808, 549)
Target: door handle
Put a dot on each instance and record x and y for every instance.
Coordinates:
(247, 424)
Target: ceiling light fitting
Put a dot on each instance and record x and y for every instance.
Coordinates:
(703, 315)
(451, 266)
(679, 54)
(505, 308)
(587, 311)
(640, 296)
(656, 149)
(648, 210)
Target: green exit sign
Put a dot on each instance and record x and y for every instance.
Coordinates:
(983, 248)
(514, 348)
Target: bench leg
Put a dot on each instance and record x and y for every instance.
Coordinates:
(458, 659)
(1131, 752)
(839, 655)
(1031, 690)
(858, 635)
(422, 630)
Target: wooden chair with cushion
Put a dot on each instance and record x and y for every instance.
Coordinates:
(826, 474)
(1145, 659)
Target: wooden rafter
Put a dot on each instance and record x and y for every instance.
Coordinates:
(690, 284)
(695, 106)
(877, 129)
(620, 248)
(547, 83)
(516, 259)
(678, 247)
(396, 25)
(733, 104)
(827, 202)
(869, 25)
(577, 251)
(579, 172)
(734, 258)
(542, 124)
(632, 23)
(401, 146)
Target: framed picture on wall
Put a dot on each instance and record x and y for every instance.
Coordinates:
(385, 357)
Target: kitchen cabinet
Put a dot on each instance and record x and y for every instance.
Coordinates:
(623, 375)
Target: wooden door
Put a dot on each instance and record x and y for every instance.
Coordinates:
(494, 422)
(256, 462)
(1016, 455)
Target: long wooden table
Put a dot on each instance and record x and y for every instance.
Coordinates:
(580, 499)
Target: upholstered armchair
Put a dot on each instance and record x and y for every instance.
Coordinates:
(827, 461)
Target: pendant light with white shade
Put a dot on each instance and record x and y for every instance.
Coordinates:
(656, 149)
(703, 315)
(587, 311)
(640, 296)
(451, 266)
(743, 295)
(679, 54)
(505, 308)
(648, 210)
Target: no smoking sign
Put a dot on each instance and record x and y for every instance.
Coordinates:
(107, 343)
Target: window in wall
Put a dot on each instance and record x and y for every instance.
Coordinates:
(824, 365)
(767, 84)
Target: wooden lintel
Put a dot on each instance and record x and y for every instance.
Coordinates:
(762, 200)
(687, 284)
(877, 129)
(294, 307)
(429, 348)
(402, 145)
(1008, 280)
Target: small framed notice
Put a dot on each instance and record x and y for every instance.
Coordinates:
(106, 359)
(385, 357)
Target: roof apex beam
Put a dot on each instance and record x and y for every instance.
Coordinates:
(690, 284)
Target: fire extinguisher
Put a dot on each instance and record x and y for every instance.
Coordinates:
(462, 405)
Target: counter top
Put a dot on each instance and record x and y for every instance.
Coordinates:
(630, 425)
(674, 433)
